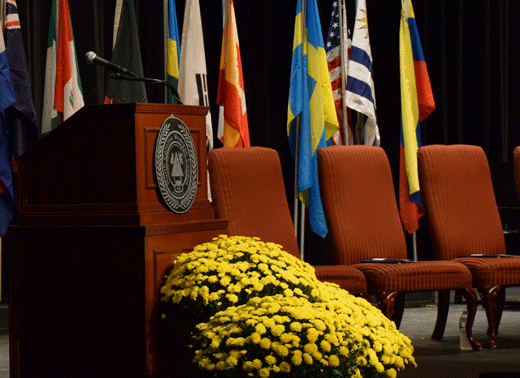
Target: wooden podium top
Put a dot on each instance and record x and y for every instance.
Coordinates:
(97, 168)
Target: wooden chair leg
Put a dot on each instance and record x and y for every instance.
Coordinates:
(442, 314)
(398, 309)
(501, 300)
(386, 301)
(472, 301)
(491, 302)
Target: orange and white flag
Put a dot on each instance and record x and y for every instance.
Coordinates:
(233, 128)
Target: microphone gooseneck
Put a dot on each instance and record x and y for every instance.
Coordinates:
(93, 58)
(120, 73)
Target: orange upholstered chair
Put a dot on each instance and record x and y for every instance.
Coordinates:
(361, 211)
(248, 190)
(459, 199)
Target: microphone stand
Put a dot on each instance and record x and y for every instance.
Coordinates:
(132, 77)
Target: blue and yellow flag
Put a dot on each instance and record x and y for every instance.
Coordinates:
(174, 49)
(311, 118)
(416, 104)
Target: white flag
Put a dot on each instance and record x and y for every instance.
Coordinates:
(193, 87)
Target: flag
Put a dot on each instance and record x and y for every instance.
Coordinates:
(416, 104)
(126, 53)
(311, 108)
(233, 129)
(63, 95)
(19, 127)
(193, 87)
(360, 95)
(22, 116)
(174, 50)
(338, 49)
(7, 98)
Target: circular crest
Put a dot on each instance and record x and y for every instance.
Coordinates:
(176, 166)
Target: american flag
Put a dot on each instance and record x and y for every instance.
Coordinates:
(338, 68)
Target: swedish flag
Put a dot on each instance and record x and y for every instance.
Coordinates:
(311, 112)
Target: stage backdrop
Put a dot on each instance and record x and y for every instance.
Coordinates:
(471, 50)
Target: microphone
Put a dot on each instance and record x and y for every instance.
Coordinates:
(93, 58)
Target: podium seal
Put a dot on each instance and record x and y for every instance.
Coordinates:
(176, 166)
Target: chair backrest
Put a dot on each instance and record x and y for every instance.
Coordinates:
(457, 192)
(359, 203)
(248, 190)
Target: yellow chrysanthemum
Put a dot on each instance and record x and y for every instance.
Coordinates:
(253, 295)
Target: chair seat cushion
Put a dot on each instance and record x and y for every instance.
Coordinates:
(415, 276)
(493, 271)
(347, 277)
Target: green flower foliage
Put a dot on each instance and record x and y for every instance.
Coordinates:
(265, 314)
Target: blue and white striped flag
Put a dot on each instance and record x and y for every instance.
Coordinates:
(360, 95)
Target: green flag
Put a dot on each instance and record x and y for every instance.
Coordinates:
(126, 53)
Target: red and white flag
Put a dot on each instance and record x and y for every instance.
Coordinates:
(233, 128)
(338, 47)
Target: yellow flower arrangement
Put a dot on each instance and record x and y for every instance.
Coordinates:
(231, 270)
(265, 314)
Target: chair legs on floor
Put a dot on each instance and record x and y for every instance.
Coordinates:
(391, 304)
(472, 301)
(442, 315)
(493, 299)
(443, 304)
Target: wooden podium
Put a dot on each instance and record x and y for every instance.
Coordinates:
(93, 240)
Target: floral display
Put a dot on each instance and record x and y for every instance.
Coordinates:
(263, 313)
(231, 270)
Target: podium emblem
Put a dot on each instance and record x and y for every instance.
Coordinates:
(176, 166)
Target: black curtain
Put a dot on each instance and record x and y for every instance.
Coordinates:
(471, 50)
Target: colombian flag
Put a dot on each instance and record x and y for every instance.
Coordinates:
(416, 105)
(311, 111)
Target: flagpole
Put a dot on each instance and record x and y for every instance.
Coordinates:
(359, 130)
(299, 217)
(414, 246)
(343, 59)
(296, 202)
(166, 32)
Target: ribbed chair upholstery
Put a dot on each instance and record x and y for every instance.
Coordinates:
(459, 199)
(363, 220)
(248, 190)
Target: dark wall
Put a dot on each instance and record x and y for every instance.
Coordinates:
(471, 49)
